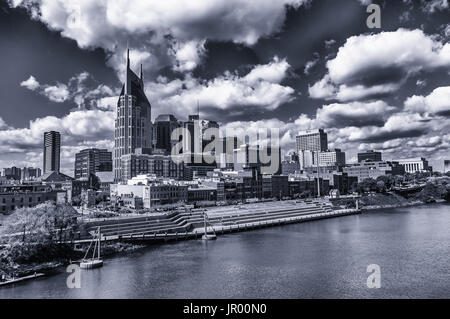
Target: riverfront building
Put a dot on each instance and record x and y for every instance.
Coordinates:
(19, 196)
(133, 126)
(52, 150)
(152, 191)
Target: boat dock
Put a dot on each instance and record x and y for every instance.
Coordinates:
(19, 279)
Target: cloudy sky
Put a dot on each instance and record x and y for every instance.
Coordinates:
(290, 64)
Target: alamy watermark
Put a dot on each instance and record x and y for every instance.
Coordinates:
(74, 279)
(374, 279)
(374, 19)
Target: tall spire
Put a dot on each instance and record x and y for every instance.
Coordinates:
(127, 74)
(198, 109)
(128, 58)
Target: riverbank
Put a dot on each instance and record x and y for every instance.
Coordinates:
(17, 270)
(392, 200)
(322, 259)
(245, 218)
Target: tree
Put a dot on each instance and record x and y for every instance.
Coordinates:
(35, 234)
(367, 185)
(381, 187)
(388, 180)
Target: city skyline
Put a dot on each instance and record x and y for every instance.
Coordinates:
(401, 109)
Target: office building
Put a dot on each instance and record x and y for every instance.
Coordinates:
(12, 173)
(369, 156)
(312, 140)
(133, 125)
(266, 159)
(155, 164)
(164, 125)
(369, 169)
(30, 173)
(446, 166)
(92, 160)
(332, 158)
(52, 150)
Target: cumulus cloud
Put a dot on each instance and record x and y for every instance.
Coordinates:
(226, 95)
(187, 55)
(437, 102)
(57, 93)
(81, 88)
(153, 26)
(30, 83)
(79, 129)
(312, 63)
(354, 114)
(371, 65)
(432, 6)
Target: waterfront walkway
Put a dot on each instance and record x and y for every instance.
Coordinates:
(226, 219)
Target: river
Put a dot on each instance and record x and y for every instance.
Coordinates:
(318, 259)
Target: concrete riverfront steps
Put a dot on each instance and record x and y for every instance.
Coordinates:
(188, 225)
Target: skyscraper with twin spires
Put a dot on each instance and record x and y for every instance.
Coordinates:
(133, 125)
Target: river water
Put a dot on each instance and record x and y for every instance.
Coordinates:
(318, 259)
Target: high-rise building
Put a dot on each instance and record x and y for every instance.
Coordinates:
(30, 173)
(446, 166)
(312, 140)
(265, 159)
(309, 143)
(332, 158)
(197, 129)
(163, 128)
(52, 150)
(369, 156)
(133, 125)
(92, 160)
(12, 173)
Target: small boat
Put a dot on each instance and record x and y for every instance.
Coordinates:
(94, 261)
(207, 236)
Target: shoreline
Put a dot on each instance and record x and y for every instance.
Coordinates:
(118, 248)
(400, 205)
